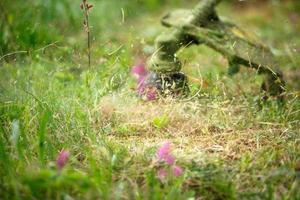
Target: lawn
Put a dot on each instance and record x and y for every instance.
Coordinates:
(70, 131)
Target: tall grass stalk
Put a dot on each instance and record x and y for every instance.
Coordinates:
(85, 6)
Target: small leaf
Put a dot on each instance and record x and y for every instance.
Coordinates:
(160, 122)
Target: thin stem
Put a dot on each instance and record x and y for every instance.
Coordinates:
(88, 33)
(89, 39)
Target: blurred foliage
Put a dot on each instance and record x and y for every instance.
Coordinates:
(29, 25)
(38, 22)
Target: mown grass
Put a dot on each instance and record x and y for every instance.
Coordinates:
(230, 144)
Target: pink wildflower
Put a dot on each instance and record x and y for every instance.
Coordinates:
(162, 174)
(164, 153)
(150, 93)
(177, 171)
(62, 159)
(140, 73)
(170, 160)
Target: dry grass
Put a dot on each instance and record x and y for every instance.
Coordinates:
(223, 129)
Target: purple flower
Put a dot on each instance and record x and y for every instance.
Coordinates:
(164, 154)
(151, 94)
(170, 160)
(139, 70)
(62, 159)
(177, 171)
(162, 174)
(140, 73)
(164, 151)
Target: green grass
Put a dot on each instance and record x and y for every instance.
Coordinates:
(231, 145)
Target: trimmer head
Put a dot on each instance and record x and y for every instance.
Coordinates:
(173, 84)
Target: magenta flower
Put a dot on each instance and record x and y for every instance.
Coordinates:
(170, 160)
(145, 92)
(62, 159)
(164, 154)
(151, 94)
(164, 151)
(177, 171)
(140, 73)
(162, 174)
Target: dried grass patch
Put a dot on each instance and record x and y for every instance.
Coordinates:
(196, 127)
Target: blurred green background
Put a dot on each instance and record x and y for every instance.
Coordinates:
(30, 24)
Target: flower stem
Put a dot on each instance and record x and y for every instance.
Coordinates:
(86, 14)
